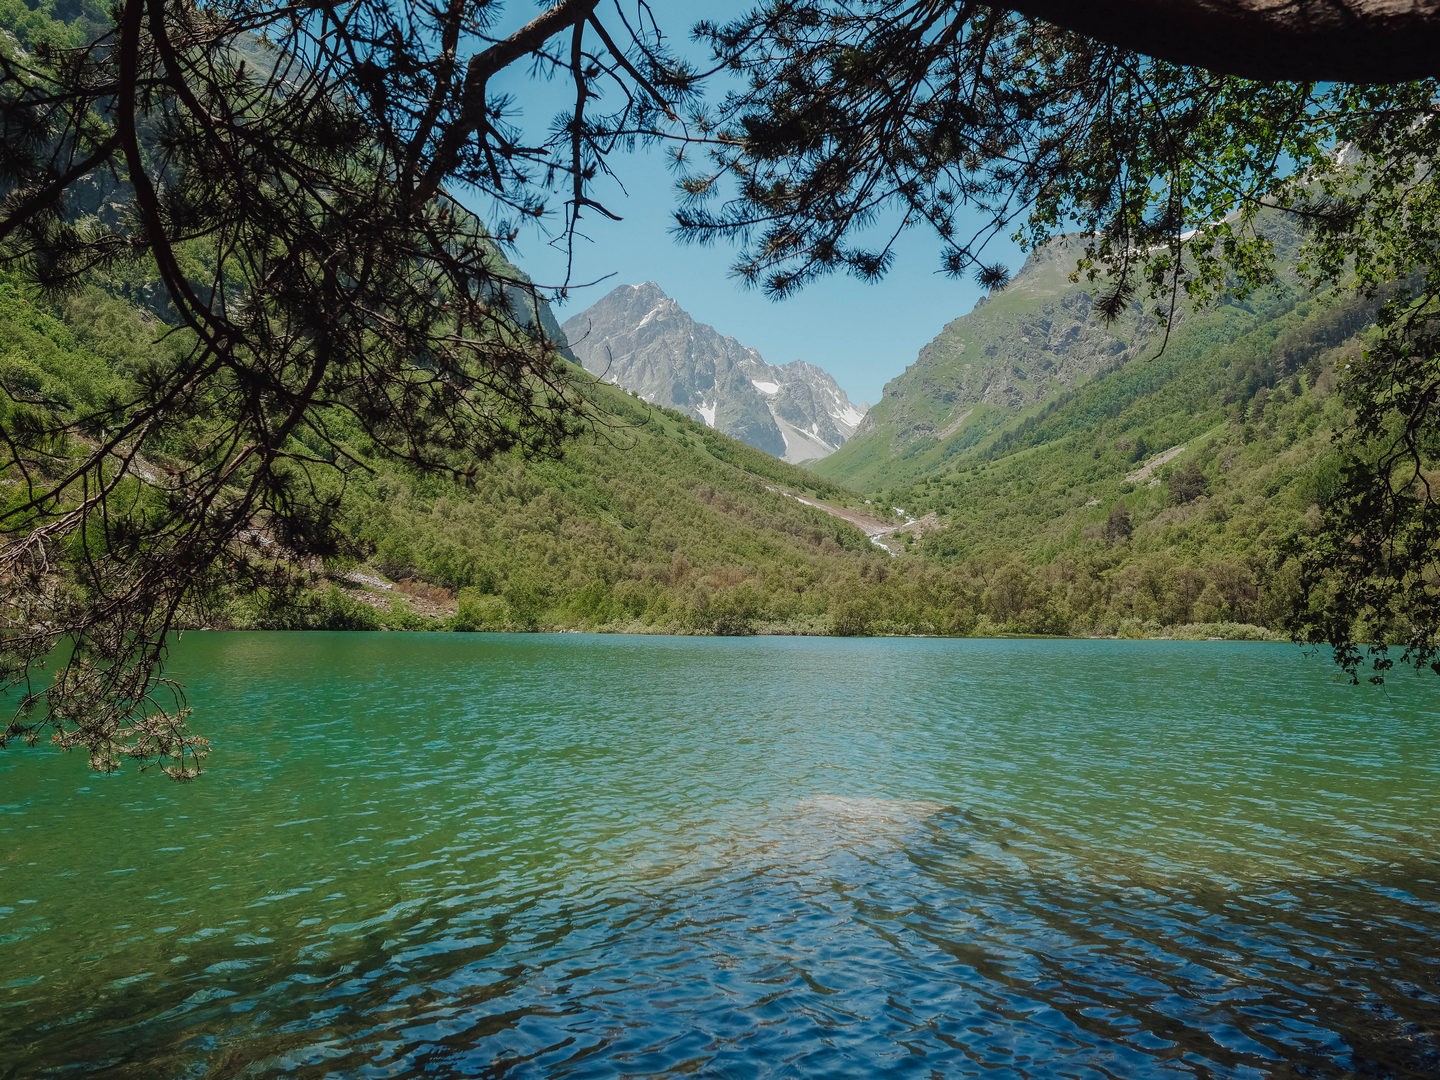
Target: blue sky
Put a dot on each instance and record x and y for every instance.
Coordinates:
(863, 334)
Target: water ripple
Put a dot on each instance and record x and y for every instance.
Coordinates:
(527, 857)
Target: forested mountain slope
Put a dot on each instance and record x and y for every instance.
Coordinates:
(1151, 497)
(1022, 344)
(1102, 470)
(649, 521)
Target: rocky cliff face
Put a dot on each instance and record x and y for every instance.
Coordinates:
(642, 340)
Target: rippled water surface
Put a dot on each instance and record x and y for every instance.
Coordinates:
(576, 856)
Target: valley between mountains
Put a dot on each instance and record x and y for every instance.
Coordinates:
(1034, 471)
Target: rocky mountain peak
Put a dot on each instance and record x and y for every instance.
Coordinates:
(639, 338)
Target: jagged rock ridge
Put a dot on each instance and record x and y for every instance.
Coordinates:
(642, 340)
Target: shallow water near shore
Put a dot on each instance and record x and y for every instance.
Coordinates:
(486, 855)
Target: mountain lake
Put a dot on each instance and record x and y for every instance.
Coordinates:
(581, 856)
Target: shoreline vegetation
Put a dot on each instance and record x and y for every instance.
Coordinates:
(364, 601)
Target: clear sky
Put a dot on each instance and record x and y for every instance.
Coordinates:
(863, 334)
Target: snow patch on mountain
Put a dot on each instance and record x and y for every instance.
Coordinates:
(642, 340)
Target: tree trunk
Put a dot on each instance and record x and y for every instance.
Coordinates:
(1378, 41)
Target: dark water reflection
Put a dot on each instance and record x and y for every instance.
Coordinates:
(596, 857)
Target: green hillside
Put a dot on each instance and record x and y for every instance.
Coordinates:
(647, 522)
(1152, 497)
(1121, 486)
(1021, 345)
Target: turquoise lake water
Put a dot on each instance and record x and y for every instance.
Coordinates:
(577, 856)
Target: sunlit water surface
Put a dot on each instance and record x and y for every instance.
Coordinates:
(581, 856)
